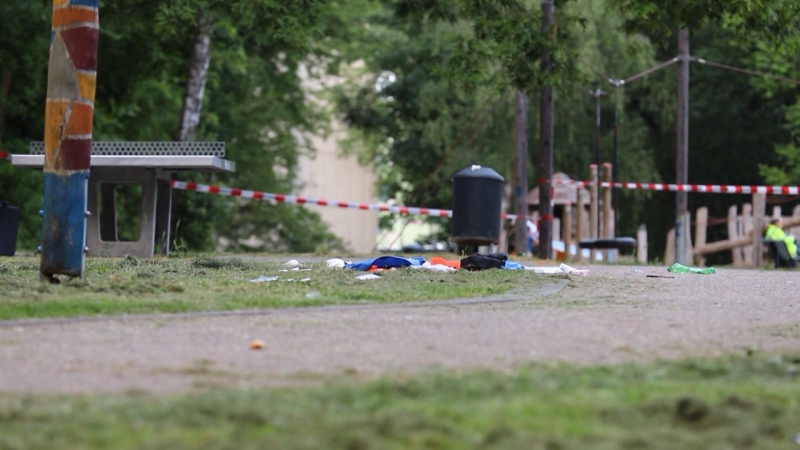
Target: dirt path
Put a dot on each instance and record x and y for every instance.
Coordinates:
(617, 314)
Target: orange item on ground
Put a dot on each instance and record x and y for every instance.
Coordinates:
(438, 260)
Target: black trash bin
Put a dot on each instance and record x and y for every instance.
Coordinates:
(477, 204)
(9, 224)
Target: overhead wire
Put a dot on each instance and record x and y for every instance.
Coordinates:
(647, 71)
(746, 71)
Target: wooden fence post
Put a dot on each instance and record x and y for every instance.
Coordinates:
(701, 222)
(747, 228)
(608, 231)
(566, 230)
(580, 214)
(641, 244)
(593, 209)
(669, 257)
(734, 233)
(795, 229)
(759, 212)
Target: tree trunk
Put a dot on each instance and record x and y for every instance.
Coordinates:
(521, 171)
(195, 79)
(192, 104)
(546, 108)
(5, 88)
(682, 150)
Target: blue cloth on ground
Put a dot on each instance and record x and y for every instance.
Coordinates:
(386, 262)
(511, 265)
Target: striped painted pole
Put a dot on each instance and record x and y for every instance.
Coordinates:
(71, 82)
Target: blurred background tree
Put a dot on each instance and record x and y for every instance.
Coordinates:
(428, 91)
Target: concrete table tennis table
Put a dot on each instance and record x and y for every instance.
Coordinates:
(147, 164)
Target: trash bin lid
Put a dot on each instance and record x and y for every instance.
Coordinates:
(476, 171)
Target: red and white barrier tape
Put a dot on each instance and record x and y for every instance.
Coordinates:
(708, 188)
(256, 195)
(5, 155)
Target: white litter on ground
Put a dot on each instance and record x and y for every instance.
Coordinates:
(434, 267)
(296, 269)
(368, 276)
(292, 263)
(335, 263)
(263, 279)
(563, 268)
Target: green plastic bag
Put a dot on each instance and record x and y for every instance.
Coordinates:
(680, 268)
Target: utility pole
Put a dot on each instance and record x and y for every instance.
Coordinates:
(521, 171)
(546, 144)
(615, 158)
(71, 81)
(597, 94)
(682, 148)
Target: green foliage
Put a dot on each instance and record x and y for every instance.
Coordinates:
(22, 110)
(254, 102)
(409, 115)
(774, 21)
(501, 41)
(787, 169)
(286, 25)
(429, 92)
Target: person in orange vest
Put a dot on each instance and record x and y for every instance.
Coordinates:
(774, 232)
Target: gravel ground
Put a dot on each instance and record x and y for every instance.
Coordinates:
(617, 314)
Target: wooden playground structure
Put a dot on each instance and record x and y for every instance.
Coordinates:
(745, 233)
(581, 214)
(585, 213)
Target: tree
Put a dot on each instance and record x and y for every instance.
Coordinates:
(253, 101)
(778, 62)
(773, 21)
(410, 114)
(501, 42)
(23, 52)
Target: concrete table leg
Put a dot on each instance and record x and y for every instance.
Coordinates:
(163, 214)
(108, 178)
(93, 239)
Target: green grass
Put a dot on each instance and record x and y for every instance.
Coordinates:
(176, 285)
(731, 403)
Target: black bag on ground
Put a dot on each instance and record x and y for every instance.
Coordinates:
(483, 262)
(9, 225)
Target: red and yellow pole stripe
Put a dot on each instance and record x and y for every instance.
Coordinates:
(71, 83)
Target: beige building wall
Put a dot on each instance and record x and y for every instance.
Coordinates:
(331, 176)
